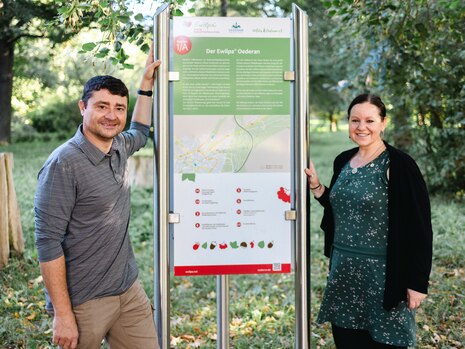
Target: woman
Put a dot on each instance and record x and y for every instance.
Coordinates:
(378, 234)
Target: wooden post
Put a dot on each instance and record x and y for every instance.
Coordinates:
(11, 232)
(15, 230)
(4, 242)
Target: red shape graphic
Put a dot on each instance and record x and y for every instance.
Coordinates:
(182, 44)
(283, 195)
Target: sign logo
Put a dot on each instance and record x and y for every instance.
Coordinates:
(182, 45)
(200, 27)
(236, 28)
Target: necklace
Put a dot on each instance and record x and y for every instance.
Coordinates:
(355, 169)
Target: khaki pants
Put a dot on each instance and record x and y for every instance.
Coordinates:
(125, 321)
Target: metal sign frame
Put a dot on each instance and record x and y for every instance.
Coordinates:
(162, 215)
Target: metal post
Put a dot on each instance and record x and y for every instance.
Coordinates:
(300, 19)
(161, 179)
(222, 311)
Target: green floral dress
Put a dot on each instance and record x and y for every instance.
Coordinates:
(353, 296)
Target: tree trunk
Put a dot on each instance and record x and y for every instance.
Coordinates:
(224, 8)
(6, 88)
(332, 122)
(436, 120)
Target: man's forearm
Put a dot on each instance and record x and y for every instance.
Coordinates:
(65, 330)
(54, 275)
(143, 107)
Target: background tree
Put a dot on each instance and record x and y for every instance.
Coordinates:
(412, 52)
(231, 8)
(22, 19)
(328, 73)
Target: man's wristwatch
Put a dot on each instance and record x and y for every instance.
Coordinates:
(144, 93)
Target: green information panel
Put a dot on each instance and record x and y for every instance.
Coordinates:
(232, 76)
(232, 145)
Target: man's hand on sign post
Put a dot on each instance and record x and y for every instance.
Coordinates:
(149, 72)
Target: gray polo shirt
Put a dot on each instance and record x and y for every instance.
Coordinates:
(82, 208)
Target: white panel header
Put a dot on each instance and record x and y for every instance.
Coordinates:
(232, 27)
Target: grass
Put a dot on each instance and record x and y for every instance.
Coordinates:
(261, 307)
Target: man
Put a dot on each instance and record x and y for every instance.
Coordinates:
(82, 208)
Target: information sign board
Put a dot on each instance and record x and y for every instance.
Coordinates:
(231, 145)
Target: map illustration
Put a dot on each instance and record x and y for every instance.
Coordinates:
(231, 144)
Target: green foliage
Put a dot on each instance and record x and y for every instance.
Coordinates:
(26, 133)
(21, 298)
(234, 8)
(21, 20)
(328, 72)
(28, 18)
(117, 23)
(412, 53)
(57, 116)
(441, 153)
(45, 94)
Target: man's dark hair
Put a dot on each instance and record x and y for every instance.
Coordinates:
(370, 98)
(113, 85)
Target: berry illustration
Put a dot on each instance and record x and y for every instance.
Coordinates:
(223, 246)
(196, 246)
(283, 195)
(251, 244)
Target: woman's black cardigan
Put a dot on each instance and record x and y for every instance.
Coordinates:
(409, 245)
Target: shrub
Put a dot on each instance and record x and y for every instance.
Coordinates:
(57, 116)
(440, 154)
